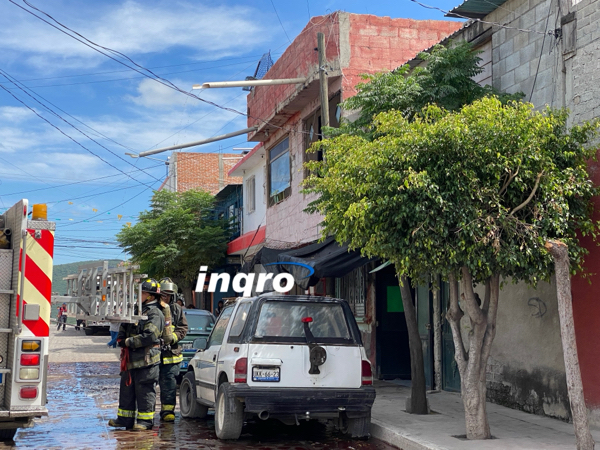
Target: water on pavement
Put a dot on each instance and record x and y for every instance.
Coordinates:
(83, 396)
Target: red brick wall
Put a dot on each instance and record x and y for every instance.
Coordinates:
(382, 43)
(201, 171)
(299, 60)
(376, 43)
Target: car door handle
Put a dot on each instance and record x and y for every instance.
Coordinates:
(214, 358)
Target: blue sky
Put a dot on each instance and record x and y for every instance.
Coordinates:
(91, 187)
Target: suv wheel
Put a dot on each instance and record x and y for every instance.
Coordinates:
(190, 408)
(229, 414)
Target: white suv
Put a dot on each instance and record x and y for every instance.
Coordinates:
(281, 356)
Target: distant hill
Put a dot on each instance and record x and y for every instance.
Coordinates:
(62, 270)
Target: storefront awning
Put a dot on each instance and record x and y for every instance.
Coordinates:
(328, 259)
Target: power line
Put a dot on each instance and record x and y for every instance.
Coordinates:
(280, 22)
(65, 134)
(88, 43)
(123, 71)
(111, 209)
(128, 78)
(525, 30)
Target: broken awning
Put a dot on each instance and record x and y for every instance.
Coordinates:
(328, 259)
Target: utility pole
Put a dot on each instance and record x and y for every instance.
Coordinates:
(323, 81)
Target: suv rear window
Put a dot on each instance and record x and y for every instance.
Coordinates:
(283, 320)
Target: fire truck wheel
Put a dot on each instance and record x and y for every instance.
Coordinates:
(7, 434)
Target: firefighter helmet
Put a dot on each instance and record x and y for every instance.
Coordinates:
(167, 286)
(151, 285)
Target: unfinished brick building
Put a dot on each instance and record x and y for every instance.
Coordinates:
(288, 115)
(206, 171)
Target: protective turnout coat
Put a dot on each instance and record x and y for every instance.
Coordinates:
(143, 340)
(176, 328)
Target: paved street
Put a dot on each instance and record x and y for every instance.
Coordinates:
(83, 388)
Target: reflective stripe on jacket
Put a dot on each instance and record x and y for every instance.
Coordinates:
(176, 331)
(143, 338)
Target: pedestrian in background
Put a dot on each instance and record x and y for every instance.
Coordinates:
(114, 332)
(140, 357)
(62, 317)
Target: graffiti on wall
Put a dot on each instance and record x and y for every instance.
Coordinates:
(538, 307)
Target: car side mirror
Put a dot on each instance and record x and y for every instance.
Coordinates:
(200, 343)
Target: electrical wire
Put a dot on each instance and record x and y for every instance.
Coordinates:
(108, 52)
(127, 78)
(155, 67)
(280, 22)
(525, 30)
(51, 111)
(537, 70)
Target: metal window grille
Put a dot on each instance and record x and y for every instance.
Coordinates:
(353, 289)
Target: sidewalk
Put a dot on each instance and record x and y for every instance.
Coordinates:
(443, 428)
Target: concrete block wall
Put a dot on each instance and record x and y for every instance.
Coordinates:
(522, 59)
(201, 171)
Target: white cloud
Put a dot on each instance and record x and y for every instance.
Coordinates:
(131, 27)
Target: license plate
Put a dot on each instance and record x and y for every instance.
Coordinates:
(184, 364)
(265, 374)
(186, 346)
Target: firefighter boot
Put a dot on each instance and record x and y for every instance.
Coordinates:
(167, 413)
(118, 423)
(142, 427)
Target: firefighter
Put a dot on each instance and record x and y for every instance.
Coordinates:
(171, 356)
(140, 359)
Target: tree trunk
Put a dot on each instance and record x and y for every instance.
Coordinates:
(437, 336)
(418, 397)
(472, 364)
(559, 252)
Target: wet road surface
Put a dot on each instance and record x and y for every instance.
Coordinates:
(83, 396)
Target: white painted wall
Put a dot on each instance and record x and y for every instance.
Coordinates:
(255, 219)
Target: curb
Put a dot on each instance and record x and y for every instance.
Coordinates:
(384, 432)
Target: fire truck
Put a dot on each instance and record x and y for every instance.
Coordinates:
(26, 252)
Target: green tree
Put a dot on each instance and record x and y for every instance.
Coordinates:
(445, 79)
(177, 235)
(473, 195)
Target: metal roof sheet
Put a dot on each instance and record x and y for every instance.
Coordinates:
(475, 9)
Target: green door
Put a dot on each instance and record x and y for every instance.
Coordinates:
(424, 320)
(450, 375)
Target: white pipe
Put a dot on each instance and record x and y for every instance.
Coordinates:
(245, 83)
(193, 144)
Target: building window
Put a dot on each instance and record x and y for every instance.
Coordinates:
(251, 194)
(353, 289)
(280, 173)
(312, 129)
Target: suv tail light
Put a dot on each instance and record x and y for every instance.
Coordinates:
(367, 373)
(240, 374)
